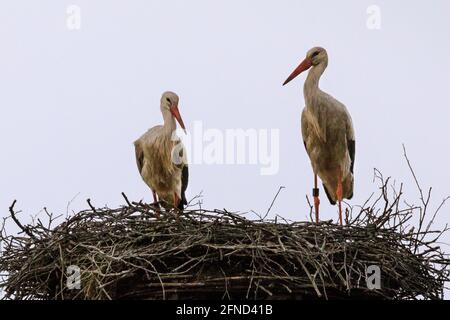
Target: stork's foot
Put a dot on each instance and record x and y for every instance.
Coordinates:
(176, 204)
(157, 209)
(156, 205)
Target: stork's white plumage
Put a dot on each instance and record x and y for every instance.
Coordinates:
(161, 158)
(328, 133)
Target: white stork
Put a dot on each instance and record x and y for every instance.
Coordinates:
(160, 157)
(328, 133)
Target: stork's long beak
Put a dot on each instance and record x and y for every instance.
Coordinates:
(305, 65)
(176, 113)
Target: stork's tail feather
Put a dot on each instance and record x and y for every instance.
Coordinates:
(328, 195)
(349, 187)
(350, 195)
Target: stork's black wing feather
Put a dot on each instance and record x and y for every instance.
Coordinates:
(351, 151)
(184, 183)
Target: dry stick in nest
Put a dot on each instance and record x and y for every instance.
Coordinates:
(126, 199)
(273, 202)
(426, 202)
(17, 222)
(90, 205)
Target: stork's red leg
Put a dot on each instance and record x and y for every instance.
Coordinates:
(339, 194)
(316, 198)
(176, 203)
(176, 200)
(155, 202)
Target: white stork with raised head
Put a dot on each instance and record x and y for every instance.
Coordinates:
(328, 133)
(160, 157)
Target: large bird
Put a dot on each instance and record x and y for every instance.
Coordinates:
(328, 133)
(161, 158)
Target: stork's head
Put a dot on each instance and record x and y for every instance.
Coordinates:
(314, 57)
(169, 103)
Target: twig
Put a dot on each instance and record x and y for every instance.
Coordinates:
(13, 216)
(273, 201)
(126, 199)
(90, 205)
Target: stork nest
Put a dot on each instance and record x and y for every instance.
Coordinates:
(127, 253)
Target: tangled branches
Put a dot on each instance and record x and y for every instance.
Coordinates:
(127, 253)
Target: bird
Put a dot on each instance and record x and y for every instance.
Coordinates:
(328, 133)
(161, 157)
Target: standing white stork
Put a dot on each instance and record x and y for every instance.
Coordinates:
(160, 157)
(328, 133)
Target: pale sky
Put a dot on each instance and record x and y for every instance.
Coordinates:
(73, 101)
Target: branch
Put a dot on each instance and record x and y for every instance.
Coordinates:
(22, 227)
(126, 199)
(90, 205)
(273, 201)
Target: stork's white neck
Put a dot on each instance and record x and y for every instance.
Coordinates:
(169, 122)
(311, 86)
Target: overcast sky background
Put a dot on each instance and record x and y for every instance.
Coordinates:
(73, 101)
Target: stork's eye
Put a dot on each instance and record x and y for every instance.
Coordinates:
(315, 54)
(168, 100)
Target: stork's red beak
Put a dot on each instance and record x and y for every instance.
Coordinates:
(305, 65)
(176, 113)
